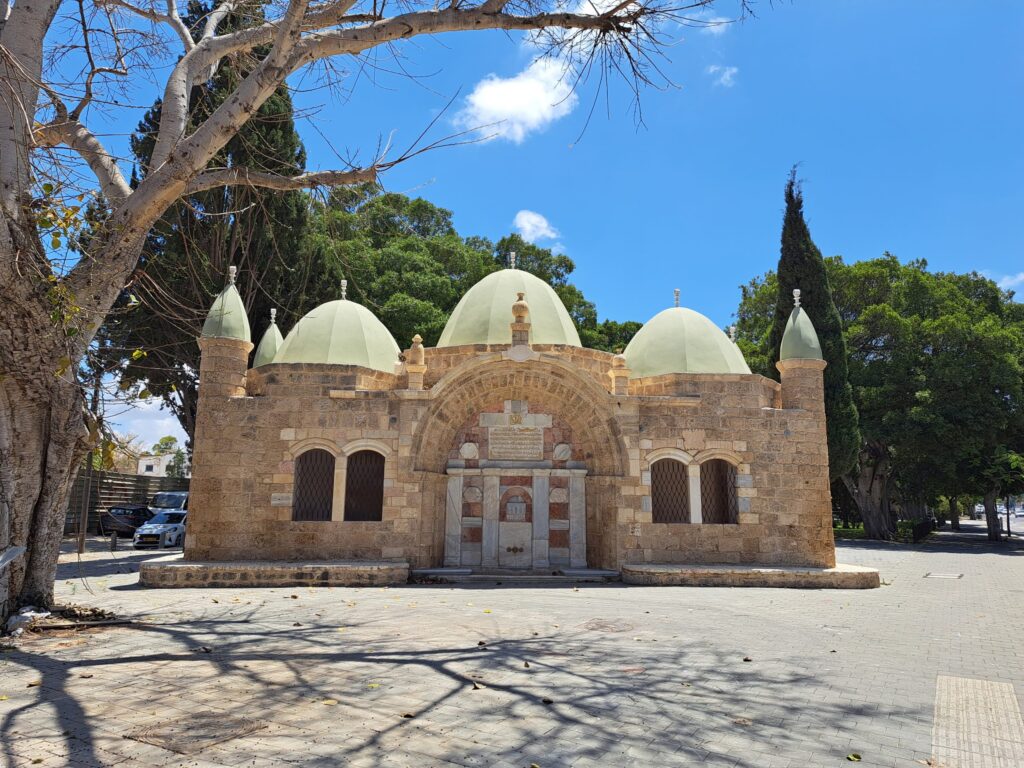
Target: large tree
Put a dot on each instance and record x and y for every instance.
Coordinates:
(54, 307)
(802, 267)
(936, 370)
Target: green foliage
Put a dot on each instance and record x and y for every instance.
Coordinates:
(801, 266)
(165, 445)
(936, 363)
(178, 466)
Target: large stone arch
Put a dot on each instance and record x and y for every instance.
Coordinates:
(547, 383)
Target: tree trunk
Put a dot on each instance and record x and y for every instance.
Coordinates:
(992, 516)
(41, 447)
(954, 514)
(869, 490)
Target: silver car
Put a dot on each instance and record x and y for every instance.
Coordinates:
(164, 529)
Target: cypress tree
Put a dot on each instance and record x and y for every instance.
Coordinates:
(801, 266)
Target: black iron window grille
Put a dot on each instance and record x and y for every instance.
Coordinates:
(314, 485)
(718, 492)
(364, 486)
(670, 492)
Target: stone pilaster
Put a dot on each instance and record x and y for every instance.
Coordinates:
(541, 497)
(453, 522)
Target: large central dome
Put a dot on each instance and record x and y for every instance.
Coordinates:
(679, 340)
(484, 314)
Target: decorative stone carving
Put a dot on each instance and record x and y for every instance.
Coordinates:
(562, 452)
(472, 494)
(469, 450)
(559, 495)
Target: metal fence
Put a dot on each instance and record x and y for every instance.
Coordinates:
(95, 490)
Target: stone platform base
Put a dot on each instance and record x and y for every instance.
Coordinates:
(800, 577)
(174, 571)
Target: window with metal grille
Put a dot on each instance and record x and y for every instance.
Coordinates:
(314, 485)
(364, 486)
(670, 496)
(718, 492)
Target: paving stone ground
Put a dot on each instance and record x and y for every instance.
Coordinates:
(594, 675)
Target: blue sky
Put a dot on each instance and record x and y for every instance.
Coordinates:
(905, 118)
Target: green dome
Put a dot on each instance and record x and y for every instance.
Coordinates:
(679, 340)
(269, 344)
(484, 314)
(227, 318)
(800, 340)
(340, 333)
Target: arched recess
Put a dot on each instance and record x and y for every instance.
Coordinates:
(548, 384)
(367, 444)
(669, 453)
(719, 453)
(301, 446)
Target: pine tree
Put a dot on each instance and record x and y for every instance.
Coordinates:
(188, 252)
(801, 266)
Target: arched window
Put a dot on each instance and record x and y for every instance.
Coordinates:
(314, 485)
(364, 486)
(718, 492)
(670, 497)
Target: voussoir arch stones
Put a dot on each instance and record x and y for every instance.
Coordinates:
(547, 383)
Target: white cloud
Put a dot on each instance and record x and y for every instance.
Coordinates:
(514, 107)
(715, 25)
(534, 226)
(142, 418)
(1012, 281)
(724, 76)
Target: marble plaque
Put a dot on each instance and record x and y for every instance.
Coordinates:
(515, 511)
(516, 443)
(280, 499)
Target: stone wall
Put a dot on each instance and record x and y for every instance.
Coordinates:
(245, 449)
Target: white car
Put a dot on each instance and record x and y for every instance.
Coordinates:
(164, 529)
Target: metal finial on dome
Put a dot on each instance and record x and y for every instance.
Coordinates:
(232, 272)
(344, 289)
(273, 316)
(732, 333)
(676, 292)
(512, 260)
(796, 297)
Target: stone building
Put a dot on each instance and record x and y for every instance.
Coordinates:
(508, 445)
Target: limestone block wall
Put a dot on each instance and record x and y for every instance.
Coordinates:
(243, 468)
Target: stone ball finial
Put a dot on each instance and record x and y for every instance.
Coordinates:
(232, 274)
(619, 361)
(520, 308)
(796, 297)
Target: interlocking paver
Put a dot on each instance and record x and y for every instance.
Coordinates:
(831, 673)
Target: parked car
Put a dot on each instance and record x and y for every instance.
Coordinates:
(123, 519)
(164, 529)
(167, 500)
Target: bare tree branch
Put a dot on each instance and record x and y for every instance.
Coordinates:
(245, 177)
(171, 18)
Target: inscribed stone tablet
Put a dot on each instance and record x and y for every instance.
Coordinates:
(516, 443)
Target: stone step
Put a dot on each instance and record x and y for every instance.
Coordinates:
(511, 576)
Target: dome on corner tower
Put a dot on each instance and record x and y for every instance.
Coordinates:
(227, 318)
(800, 340)
(680, 340)
(340, 333)
(484, 314)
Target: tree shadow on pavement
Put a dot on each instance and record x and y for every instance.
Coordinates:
(610, 693)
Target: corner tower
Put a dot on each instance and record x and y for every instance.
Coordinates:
(801, 364)
(225, 345)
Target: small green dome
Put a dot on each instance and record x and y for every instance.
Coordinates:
(340, 333)
(800, 340)
(484, 314)
(679, 340)
(227, 318)
(269, 344)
